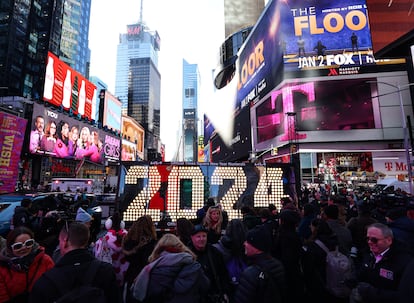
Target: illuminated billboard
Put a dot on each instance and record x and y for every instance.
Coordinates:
(181, 189)
(322, 111)
(60, 134)
(112, 113)
(64, 87)
(12, 130)
(133, 132)
(300, 43)
(325, 34)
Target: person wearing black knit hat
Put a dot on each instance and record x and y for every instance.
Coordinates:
(263, 270)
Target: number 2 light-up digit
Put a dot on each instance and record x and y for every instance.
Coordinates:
(138, 205)
(235, 191)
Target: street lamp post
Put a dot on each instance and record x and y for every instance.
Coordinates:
(399, 87)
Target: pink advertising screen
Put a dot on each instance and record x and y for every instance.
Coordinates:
(12, 130)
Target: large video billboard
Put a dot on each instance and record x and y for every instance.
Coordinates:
(61, 135)
(67, 88)
(301, 110)
(292, 42)
(12, 130)
(181, 189)
(325, 34)
(112, 112)
(133, 132)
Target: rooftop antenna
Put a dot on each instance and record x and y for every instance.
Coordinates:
(140, 12)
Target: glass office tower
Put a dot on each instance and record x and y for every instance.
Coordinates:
(138, 82)
(74, 45)
(191, 79)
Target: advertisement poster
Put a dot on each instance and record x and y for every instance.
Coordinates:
(112, 113)
(64, 87)
(133, 141)
(58, 134)
(335, 105)
(12, 130)
(325, 34)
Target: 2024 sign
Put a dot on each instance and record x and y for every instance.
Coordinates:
(157, 188)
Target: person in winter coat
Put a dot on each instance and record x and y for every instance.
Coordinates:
(173, 275)
(22, 262)
(264, 278)
(114, 236)
(22, 215)
(212, 263)
(231, 247)
(288, 249)
(382, 270)
(402, 228)
(72, 267)
(213, 221)
(314, 262)
(137, 246)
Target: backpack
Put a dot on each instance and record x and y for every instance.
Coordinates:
(339, 269)
(103, 251)
(268, 288)
(84, 291)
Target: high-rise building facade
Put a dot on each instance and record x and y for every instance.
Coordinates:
(74, 45)
(29, 29)
(191, 79)
(138, 82)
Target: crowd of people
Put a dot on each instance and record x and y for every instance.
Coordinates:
(266, 255)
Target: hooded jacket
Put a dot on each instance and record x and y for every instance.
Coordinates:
(173, 277)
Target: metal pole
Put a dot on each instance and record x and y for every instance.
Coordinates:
(406, 143)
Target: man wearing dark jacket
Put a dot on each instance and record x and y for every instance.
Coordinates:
(381, 271)
(22, 215)
(212, 262)
(72, 267)
(264, 279)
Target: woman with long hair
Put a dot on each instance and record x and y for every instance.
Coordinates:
(173, 274)
(22, 262)
(137, 246)
(61, 146)
(213, 221)
(48, 141)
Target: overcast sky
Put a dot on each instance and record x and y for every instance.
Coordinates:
(189, 29)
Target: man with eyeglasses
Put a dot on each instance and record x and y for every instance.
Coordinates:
(70, 271)
(381, 270)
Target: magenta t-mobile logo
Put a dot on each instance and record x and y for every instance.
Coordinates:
(282, 117)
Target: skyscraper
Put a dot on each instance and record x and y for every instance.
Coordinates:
(191, 78)
(28, 30)
(74, 45)
(138, 82)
